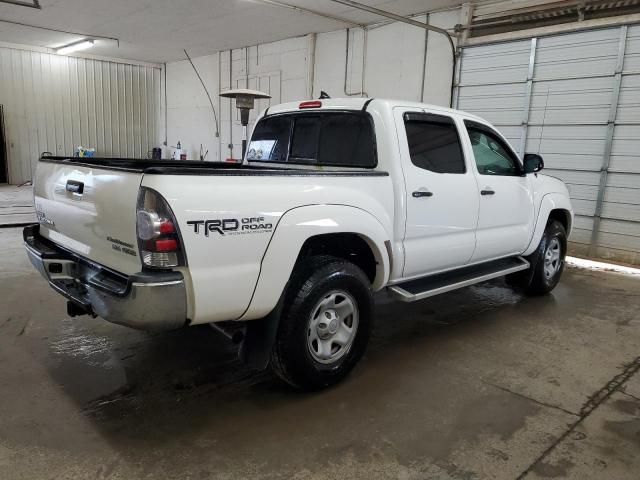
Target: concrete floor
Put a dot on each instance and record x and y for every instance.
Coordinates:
(16, 205)
(480, 383)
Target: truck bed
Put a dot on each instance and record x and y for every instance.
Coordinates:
(195, 167)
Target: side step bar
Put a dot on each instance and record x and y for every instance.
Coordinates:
(424, 287)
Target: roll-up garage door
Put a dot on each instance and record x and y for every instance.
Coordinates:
(575, 99)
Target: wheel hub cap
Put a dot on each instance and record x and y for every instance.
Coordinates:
(328, 326)
(552, 258)
(332, 327)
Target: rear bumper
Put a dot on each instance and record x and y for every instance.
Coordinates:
(145, 301)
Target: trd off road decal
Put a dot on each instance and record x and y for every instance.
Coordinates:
(231, 226)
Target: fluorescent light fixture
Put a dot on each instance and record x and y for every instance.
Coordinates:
(74, 47)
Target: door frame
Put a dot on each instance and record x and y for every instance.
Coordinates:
(482, 180)
(406, 164)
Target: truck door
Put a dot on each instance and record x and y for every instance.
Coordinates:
(441, 193)
(505, 221)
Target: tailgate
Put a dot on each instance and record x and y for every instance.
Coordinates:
(90, 211)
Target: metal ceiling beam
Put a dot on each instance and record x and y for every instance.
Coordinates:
(85, 35)
(317, 13)
(399, 18)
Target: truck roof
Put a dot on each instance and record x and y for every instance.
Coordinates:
(358, 103)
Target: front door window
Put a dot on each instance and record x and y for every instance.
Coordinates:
(492, 156)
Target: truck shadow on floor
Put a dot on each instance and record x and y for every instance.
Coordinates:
(138, 388)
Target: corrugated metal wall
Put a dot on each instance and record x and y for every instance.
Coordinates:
(54, 103)
(575, 98)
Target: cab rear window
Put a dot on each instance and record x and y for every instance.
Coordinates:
(344, 139)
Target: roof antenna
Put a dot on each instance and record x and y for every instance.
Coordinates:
(215, 116)
(324, 95)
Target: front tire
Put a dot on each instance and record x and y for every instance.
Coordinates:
(325, 323)
(547, 262)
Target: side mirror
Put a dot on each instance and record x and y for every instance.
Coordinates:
(533, 163)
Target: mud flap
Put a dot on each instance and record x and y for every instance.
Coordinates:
(523, 279)
(255, 350)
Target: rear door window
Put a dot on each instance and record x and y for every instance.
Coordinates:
(324, 138)
(434, 143)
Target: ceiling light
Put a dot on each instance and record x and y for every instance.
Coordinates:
(74, 47)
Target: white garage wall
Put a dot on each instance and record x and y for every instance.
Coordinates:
(189, 116)
(280, 69)
(299, 68)
(53, 103)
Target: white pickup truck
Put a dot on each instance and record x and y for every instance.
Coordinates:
(336, 199)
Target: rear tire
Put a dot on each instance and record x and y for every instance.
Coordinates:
(547, 262)
(325, 323)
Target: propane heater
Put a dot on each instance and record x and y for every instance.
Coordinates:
(245, 101)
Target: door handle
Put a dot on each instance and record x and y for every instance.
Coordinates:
(487, 191)
(421, 193)
(74, 186)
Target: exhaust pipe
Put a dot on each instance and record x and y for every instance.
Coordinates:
(236, 336)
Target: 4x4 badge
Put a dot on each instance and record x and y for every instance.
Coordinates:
(42, 218)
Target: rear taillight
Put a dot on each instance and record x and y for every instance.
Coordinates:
(158, 235)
